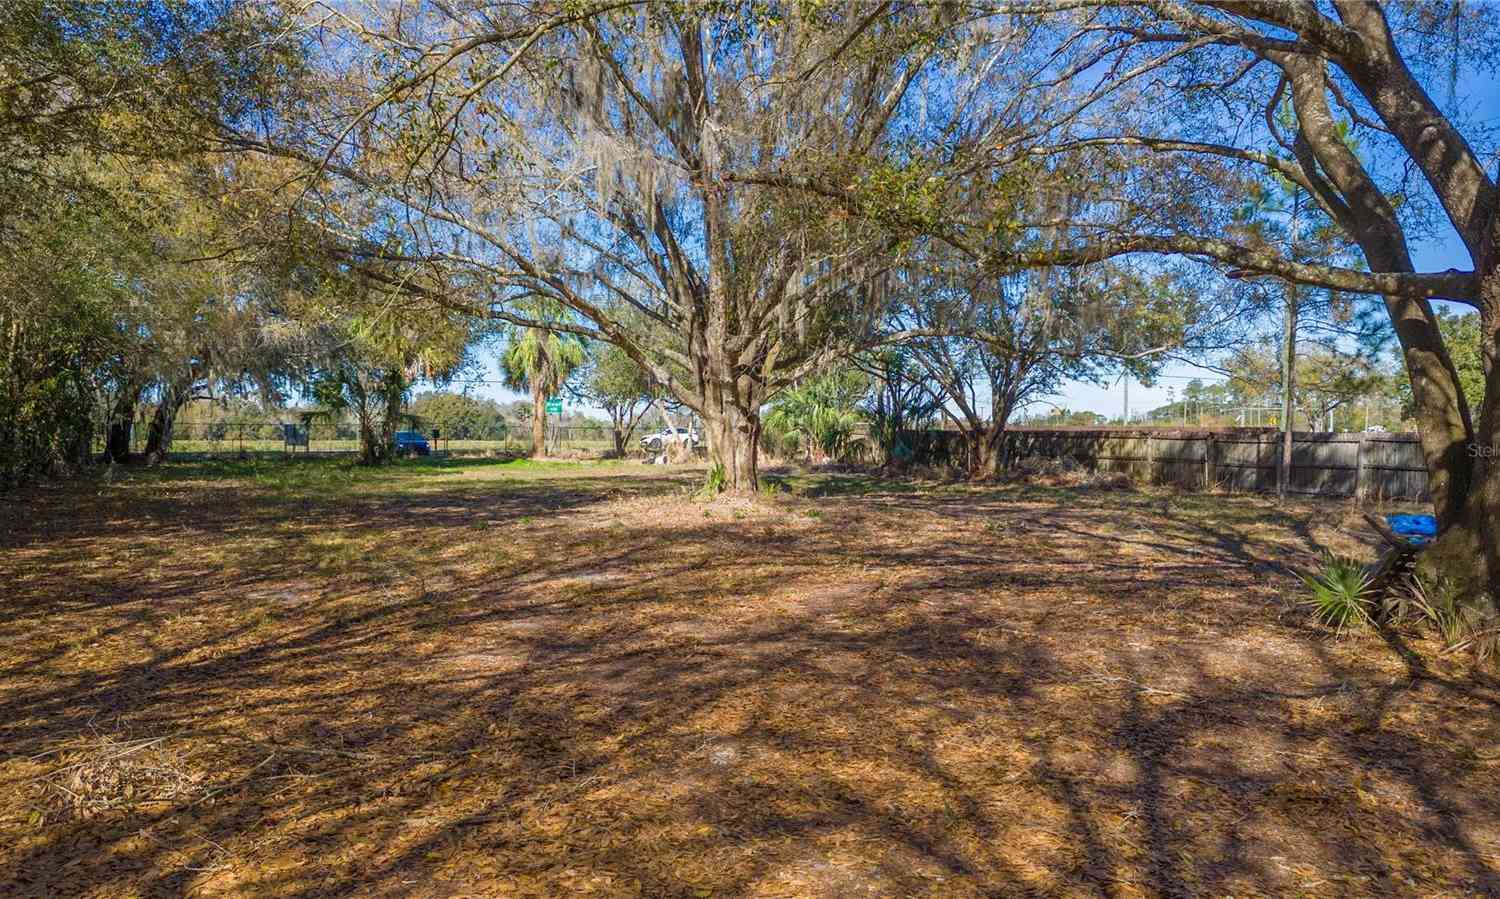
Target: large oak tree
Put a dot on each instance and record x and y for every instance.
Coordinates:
(715, 189)
(1199, 101)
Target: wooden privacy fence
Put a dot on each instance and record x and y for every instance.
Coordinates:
(1367, 466)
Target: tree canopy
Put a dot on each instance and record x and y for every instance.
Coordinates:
(737, 198)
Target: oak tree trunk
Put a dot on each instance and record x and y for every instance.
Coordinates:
(1468, 546)
(734, 443)
(1371, 218)
(1483, 452)
(987, 439)
(989, 456)
(159, 434)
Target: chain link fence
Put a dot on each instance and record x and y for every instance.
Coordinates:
(279, 438)
(253, 438)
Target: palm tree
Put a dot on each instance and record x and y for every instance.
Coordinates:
(540, 361)
(818, 416)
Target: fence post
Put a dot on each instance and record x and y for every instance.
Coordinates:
(1150, 459)
(1210, 476)
(1281, 473)
(1361, 472)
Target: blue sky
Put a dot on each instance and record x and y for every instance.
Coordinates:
(1479, 94)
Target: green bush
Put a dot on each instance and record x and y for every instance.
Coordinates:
(1341, 594)
(1464, 622)
(716, 481)
(817, 417)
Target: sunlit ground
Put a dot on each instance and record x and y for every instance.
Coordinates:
(493, 679)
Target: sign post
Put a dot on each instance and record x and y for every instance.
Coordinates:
(554, 407)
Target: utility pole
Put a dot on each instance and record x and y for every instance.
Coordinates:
(1125, 416)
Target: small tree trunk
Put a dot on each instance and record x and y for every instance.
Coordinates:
(121, 423)
(538, 421)
(369, 442)
(988, 440)
(1288, 387)
(372, 449)
(666, 416)
(77, 447)
(393, 395)
(159, 434)
(117, 443)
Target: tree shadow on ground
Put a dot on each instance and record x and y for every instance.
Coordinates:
(606, 688)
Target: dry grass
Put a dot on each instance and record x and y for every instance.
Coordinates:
(539, 680)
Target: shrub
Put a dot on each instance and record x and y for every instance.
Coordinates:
(1461, 620)
(817, 417)
(716, 481)
(1341, 594)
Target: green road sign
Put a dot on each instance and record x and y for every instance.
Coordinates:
(554, 405)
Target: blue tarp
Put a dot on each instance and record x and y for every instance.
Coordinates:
(1416, 528)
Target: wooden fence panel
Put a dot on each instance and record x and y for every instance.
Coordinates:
(1395, 467)
(1323, 464)
(1178, 459)
(1247, 462)
(1125, 453)
(1373, 466)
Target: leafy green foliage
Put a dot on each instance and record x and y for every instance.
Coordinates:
(905, 198)
(616, 379)
(459, 416)
(898, 399)
(717, 481)
(1341, 595)
(101, 109)
(618, 385)
(818, 416)
(990, 344)
(541, 361)
(1462, 621)
(1461, 336)
(1327, 381)
(370, 360)
(68, 264)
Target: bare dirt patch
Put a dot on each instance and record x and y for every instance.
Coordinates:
(576, 681)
